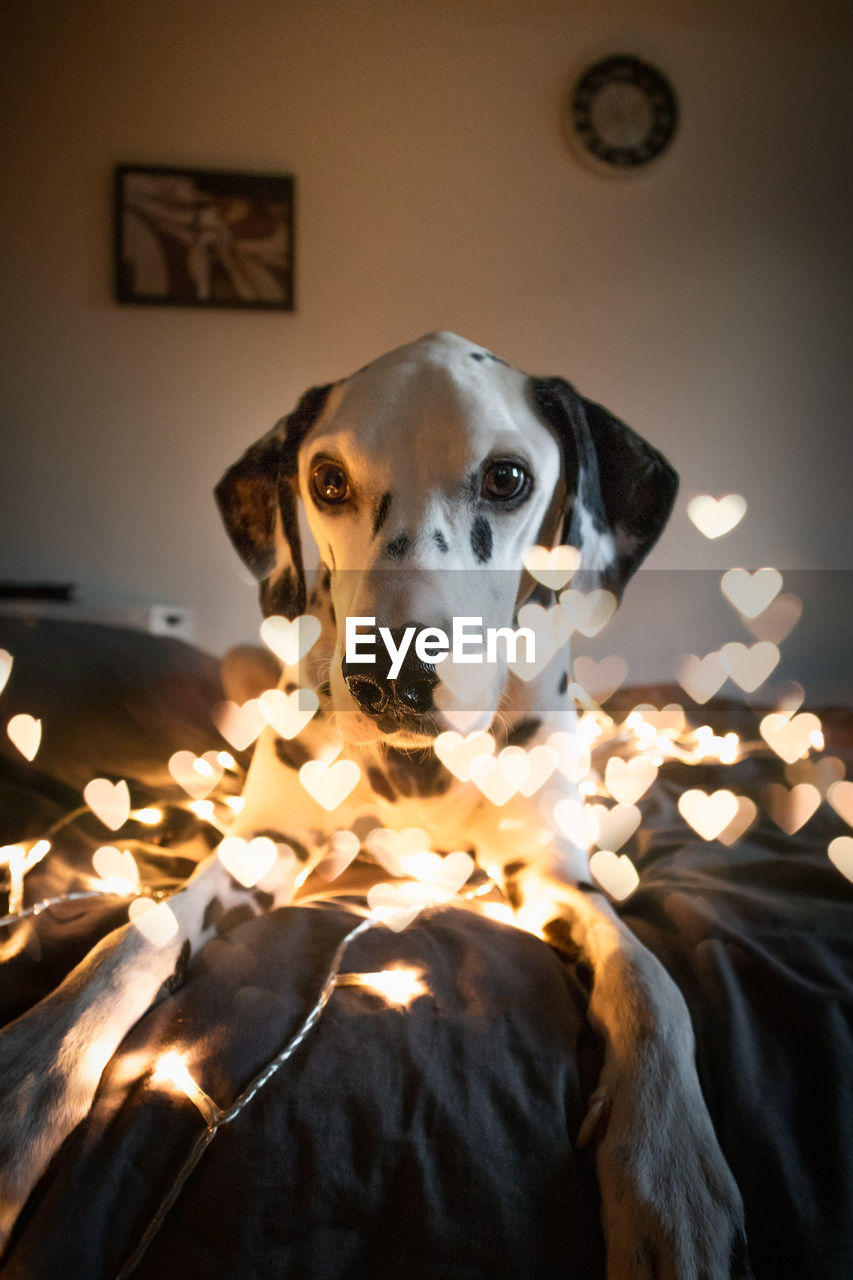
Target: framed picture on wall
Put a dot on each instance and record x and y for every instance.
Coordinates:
(200, 238)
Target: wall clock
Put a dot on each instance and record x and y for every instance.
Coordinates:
(623, 112)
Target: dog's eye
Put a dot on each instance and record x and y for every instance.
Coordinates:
(504, 480)
(330, 482)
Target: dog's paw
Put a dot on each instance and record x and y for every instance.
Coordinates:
(671, 1209)
(45, 1093)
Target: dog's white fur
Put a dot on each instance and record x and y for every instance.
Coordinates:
(413, 425)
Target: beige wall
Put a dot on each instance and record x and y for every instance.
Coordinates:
(702, 299)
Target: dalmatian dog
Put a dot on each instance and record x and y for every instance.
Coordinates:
(424, 478)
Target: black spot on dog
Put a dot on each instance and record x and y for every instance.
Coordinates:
(237, 915)
(511, 886)
(381, 513)
(481, 539)
(440, 540)
(290, 687)
(398, 546)
(178, 975)
(416, 773)
(486, 355)
(263, 899)
(183, 961)
(564, 683)
(541, 595)
(277, 594)
(380, 784)
(271, 833)
(298, 848)
(523, 732)
(213, 913)
(291, 754)
(558, 934)
(278, 837)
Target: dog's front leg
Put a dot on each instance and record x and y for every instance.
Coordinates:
(52, 1057)
(671, 1209)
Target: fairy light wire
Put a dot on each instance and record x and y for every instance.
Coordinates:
(79, 895)
(309, 1021)
(687, 745)
(197, 1151)
(18, 913)
(217, 1119)
(673, 751)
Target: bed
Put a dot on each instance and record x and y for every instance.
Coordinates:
(429, 1140)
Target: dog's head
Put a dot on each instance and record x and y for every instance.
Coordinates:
(425, 477)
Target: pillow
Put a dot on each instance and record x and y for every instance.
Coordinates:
(113, 701)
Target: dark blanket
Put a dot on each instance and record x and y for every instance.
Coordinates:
(435, 1141)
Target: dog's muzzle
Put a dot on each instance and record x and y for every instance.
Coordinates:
(387, 701)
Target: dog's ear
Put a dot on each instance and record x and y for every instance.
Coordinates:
(257, 500)
(620, 490)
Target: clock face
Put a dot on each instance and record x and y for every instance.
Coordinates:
(624, 112)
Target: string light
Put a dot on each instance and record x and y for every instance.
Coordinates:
(116, 885)
(653, 737)
(36, 853)
(397, 986)
(14, 857)
(171, 1068)
(204, 809)
(148, 817)
(502, 912)
(20, 859)
(175, 1071)
(691, 746)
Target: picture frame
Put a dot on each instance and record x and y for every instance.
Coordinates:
(203, 238)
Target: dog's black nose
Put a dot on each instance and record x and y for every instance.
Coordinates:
(409, 693)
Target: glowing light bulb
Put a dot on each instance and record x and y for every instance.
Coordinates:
(171, 1069)
(498, 911)
(148, 817)
(398, 986)
(15, 858)
(588, 728)
(36, 853)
